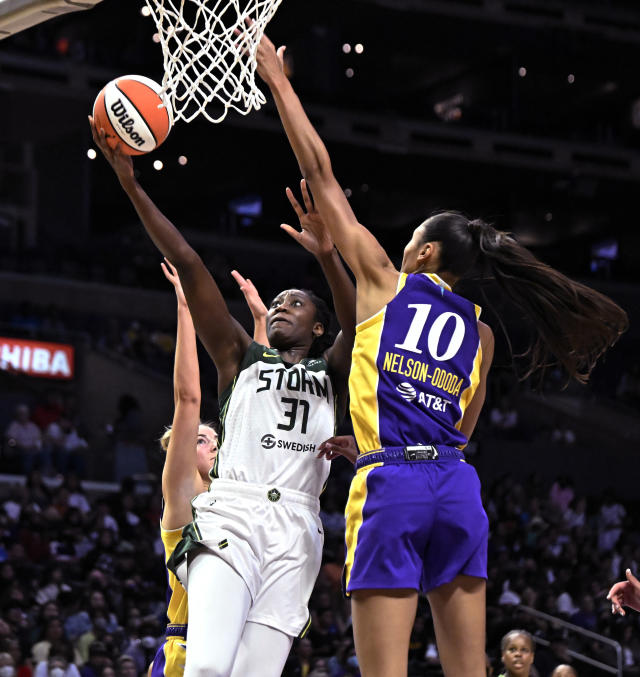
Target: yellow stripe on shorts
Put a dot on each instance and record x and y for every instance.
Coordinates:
(353, 516)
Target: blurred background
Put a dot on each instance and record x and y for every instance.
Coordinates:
(522, 112)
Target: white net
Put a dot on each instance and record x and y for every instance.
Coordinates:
(209, 49)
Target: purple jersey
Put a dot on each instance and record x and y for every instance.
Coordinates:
(416, 366)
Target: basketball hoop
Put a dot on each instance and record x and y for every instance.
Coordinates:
(209, 52)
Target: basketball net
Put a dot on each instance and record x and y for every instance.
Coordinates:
(209, 54)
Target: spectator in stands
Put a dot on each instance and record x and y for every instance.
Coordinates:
(504, 419)
(37, 493)
(24, 440)
(564, 671)
(610, 520)
(586, 617)
(53, 633)
(126, 667)
(517, 652)
(562, 493)
(7, 665)
(299, 664)
(49, 410)
(547, 658)
(11, 645)
(576, 513)
(56, 666)
(65, 445)
(324, 633)
(320, 669)
(77, 497)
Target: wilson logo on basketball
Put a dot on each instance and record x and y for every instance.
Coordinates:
(407, 391)
(126, 123)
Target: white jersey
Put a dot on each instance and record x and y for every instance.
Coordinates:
(273, 417)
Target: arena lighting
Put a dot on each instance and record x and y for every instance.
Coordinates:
(157, 165)
(449, 109)
(346, 48)
(359, 48)
(571, 78)
(349, 72)
(522, 72)
(548, 217)
(348, 192)
(145, 11)
(91, 154)
(182, 160)
(156, 37)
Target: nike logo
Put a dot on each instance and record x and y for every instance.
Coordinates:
(269, 355)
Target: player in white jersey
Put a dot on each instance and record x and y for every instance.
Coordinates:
(256, 540)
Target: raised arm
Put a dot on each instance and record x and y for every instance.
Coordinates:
(360, 249)
(256, 306)
(180, 478)
(223, 337)
(314, 236)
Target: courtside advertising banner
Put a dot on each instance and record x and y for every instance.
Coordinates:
(37, 358)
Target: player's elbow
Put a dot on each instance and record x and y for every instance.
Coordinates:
(317, 167)
(187, 396)
(185, 258)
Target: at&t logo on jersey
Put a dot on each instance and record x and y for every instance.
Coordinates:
(408, 393)
(270, 441)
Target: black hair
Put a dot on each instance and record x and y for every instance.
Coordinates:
(512, 633)
(325, 317)
(573, 325)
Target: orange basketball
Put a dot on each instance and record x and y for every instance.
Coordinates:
(131, 110)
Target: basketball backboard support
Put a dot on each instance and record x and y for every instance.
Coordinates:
(17, 15)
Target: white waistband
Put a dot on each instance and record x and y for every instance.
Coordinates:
(264, 492)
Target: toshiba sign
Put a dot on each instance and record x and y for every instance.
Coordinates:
(36, 358)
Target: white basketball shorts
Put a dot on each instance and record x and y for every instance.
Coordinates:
(273, 538)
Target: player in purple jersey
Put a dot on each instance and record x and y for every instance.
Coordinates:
(414, 518)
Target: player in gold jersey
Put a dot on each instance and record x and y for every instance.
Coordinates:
(185, 475)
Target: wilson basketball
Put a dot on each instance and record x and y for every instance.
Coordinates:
(131, 110)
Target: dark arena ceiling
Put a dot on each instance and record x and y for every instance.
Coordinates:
(524, 112)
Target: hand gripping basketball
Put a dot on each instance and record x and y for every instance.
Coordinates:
(133, 112)
(121, 163)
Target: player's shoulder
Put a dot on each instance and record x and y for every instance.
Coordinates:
(486, 334)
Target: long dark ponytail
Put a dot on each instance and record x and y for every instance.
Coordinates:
(572, 324)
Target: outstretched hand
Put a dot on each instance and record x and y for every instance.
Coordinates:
(122, 164)
(313, 234)
(340, 445)
(256, 306)
(270, 61)
(625, 593)
(172, 275)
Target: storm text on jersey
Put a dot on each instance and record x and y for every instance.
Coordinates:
(293, 380)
